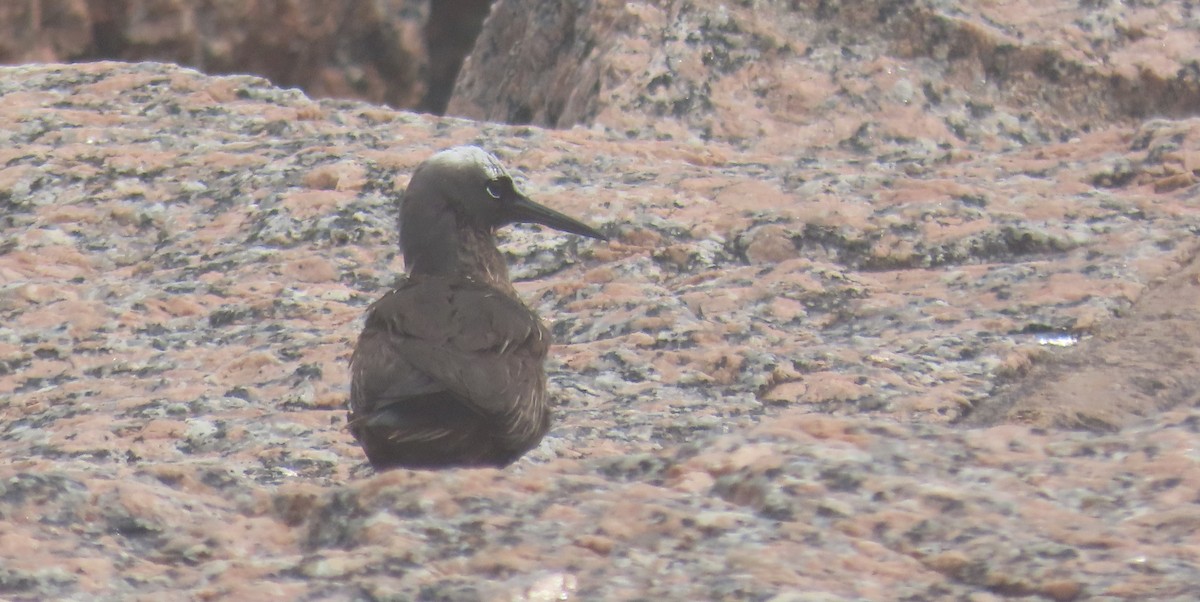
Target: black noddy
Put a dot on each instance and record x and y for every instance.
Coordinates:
(448, 370)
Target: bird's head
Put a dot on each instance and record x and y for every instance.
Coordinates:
(467, 187)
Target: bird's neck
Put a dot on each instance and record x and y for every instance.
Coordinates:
(467, 253)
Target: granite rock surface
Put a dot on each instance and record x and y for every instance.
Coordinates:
(840, 346)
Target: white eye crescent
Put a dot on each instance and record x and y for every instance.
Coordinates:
(499, 188)
(495, 189)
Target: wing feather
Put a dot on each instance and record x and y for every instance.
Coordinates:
(434, 334)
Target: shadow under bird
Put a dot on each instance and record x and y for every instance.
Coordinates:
(448, 370)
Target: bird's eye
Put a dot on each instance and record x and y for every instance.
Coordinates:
(496, 188)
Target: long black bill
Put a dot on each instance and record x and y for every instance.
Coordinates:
(528, 211)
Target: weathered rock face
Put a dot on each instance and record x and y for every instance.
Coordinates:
(772, 74)
(369, 50)
(887, 139)
(36, 32)
(753, 381)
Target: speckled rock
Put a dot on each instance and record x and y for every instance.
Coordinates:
(892, 81)
(754, 383)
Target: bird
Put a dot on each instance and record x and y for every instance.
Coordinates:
(449, 368)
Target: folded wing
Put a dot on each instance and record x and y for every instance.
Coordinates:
(437, 354)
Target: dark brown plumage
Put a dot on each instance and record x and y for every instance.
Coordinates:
(448, 370)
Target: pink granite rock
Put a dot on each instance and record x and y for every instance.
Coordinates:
(755, 382)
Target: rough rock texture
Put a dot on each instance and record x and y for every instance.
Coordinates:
(755, 379)
(977, 139)
(874, 74)
(373, 51)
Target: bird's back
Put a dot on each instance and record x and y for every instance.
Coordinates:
(448, 371)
